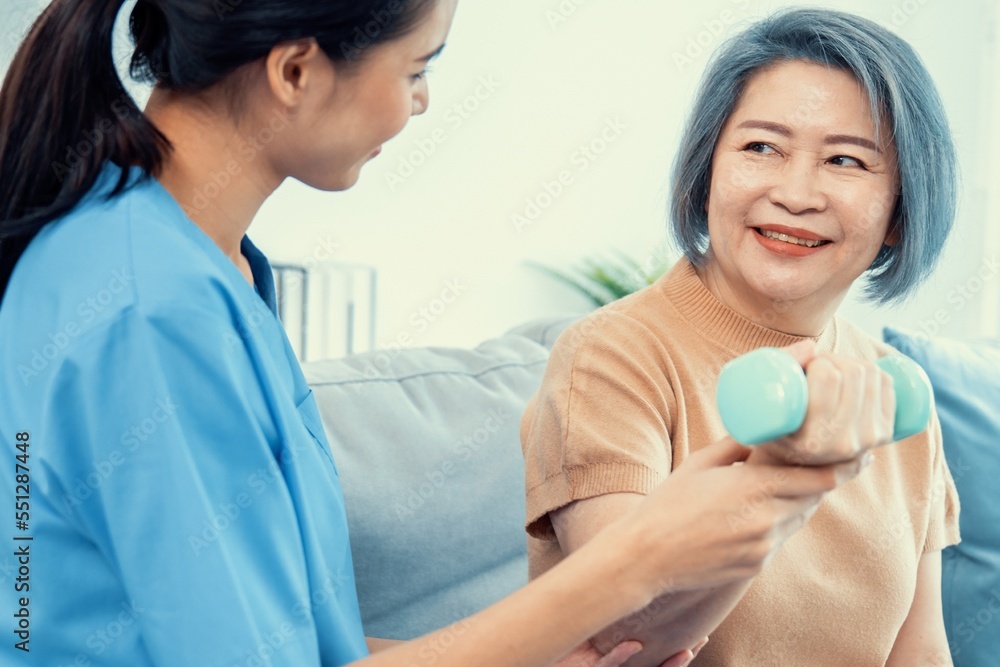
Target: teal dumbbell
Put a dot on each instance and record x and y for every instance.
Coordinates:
(763, 395)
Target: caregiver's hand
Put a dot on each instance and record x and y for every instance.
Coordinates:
(585, 655)
(851, 410)
(721, 522)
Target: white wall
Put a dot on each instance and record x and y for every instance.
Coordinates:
(987, 172)
(559, 83)
(562, 71)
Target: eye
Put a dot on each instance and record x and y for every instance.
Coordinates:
(847, 161)
(760, 147)
(420, 76)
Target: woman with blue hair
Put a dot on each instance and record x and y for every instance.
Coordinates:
(817, 152)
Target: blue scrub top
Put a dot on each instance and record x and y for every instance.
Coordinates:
(181, 501)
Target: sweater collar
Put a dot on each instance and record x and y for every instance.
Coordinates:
(720, 323)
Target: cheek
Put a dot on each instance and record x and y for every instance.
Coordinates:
(870, 214)
(739, 179)
(731, 195)
(394, 111)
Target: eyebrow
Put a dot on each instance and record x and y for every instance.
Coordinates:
(432, 55)
(831, 139)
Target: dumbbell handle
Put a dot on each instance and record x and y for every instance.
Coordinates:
(763, 395)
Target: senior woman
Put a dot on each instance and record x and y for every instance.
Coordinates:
(817, 152)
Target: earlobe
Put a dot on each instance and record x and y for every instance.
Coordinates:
(893, 235)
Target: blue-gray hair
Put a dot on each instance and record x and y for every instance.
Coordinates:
(902, 95)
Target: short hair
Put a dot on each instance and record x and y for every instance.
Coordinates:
(901, 93)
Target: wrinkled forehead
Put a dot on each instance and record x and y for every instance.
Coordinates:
(804, 93)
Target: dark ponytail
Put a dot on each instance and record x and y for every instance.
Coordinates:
(64, 112)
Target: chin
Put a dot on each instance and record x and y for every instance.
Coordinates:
(333, 182)
(779, 288)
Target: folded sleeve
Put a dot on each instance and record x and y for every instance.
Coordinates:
(194, 512)
(942, 527)
(600, 422)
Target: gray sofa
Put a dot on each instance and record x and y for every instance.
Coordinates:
(427, 447)
(428, 451)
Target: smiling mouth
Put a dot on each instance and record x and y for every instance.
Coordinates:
(778, 236)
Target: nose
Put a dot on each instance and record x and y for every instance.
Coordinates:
(421, 100)
(798, 188)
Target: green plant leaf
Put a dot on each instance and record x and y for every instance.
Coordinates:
(594, 297)
(603, 280)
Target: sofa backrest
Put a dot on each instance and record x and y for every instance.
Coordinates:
(428, 451)
(966, 379)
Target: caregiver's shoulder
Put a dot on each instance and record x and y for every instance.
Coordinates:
(106, 256)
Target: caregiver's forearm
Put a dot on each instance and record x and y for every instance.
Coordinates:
(519, 630)
(673, 622)
(670, 623)
(375, 644)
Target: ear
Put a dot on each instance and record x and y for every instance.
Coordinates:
(895, 231)
(893, 235)
(291, 67)
(708, 184)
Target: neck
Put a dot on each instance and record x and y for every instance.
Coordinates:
(219, 186)
(795, 317)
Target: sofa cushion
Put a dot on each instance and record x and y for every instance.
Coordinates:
(966, 379)
(427, 446)
(545, 330)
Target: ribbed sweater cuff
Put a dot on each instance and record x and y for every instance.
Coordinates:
(581, 483)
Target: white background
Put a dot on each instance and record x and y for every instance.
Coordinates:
(564, 69)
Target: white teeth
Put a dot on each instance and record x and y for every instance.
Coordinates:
(789, 239)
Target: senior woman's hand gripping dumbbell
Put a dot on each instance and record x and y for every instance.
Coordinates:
(763, 396)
